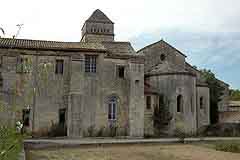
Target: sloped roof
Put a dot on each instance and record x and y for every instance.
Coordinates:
(161, 43)
(48, 45)
(119, 48)
(99, 16)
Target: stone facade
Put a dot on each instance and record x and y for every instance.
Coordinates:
(98, 84)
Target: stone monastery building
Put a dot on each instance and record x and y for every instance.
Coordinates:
(92, 86)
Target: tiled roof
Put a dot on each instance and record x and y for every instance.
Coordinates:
(123, 48)
(48, 45)
(99, 16)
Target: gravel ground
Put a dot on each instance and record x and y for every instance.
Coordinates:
(134, 152)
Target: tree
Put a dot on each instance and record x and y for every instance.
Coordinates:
(235, 95)
(216, 91)
(161, 115)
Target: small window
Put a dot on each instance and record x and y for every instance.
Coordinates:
(179, 103)
(112, 108)
(59, 66)
(23, 65)
(201, 102)
(26, 117)
(148, 102)
(90, 63)
(162, 57)
(120, 71)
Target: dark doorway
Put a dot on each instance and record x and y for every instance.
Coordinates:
(62, 122)
(26, 117)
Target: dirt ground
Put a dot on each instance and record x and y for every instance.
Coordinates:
(135, 152)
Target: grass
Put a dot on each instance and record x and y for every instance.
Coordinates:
(226, 146)
(135, 152)
(10, 143)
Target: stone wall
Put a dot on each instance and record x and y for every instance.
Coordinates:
(170, 86)
(90, 93)
(203, 116)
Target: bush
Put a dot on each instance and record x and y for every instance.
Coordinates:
(228, 147)
(222, 130)
(10, 143)
(57, 130)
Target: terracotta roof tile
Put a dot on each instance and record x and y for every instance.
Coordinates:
(48, 45)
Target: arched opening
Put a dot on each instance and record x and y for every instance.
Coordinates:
(201, 102)
(162, 57)
(179, 103)
(112, 108)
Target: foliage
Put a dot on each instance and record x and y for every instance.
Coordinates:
(180, 128)
(235, 95)
(222, 130)
(162, 116)
(57, 130)
(228, 147)
(216, 91)
(10, 143)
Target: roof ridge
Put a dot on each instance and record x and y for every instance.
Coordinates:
(99, 16)
(160, 42)
(149, 45)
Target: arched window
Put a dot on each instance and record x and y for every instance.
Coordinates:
(1, 81)
(179, 103)
(112, 108)
(162, 57)
(201, 102)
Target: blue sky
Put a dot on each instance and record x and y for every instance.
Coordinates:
(207, 31)
(219, 52)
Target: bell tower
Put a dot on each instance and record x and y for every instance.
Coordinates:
(98, 28)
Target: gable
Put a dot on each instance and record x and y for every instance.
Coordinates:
(163, 53)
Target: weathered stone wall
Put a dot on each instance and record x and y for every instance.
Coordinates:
(51, 91)
(153, 56)
(136, 104)
(97, 38)
(37, 88)
(90, 93)
(224, 102)
(173, 85)
(14, 96)
(203, 116)
(97, 32)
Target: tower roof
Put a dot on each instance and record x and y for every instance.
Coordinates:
(99, 16)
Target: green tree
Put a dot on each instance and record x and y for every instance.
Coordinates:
(235, 95)
(216, 91)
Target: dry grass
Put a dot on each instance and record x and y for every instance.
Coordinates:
(135, 152)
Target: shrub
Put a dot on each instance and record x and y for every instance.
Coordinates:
(10, 143)
(222, 130)
(100, 132)
(57, 130)
(228, 147)
(91, 130)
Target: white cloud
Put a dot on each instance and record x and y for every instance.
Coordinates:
(62, 19)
